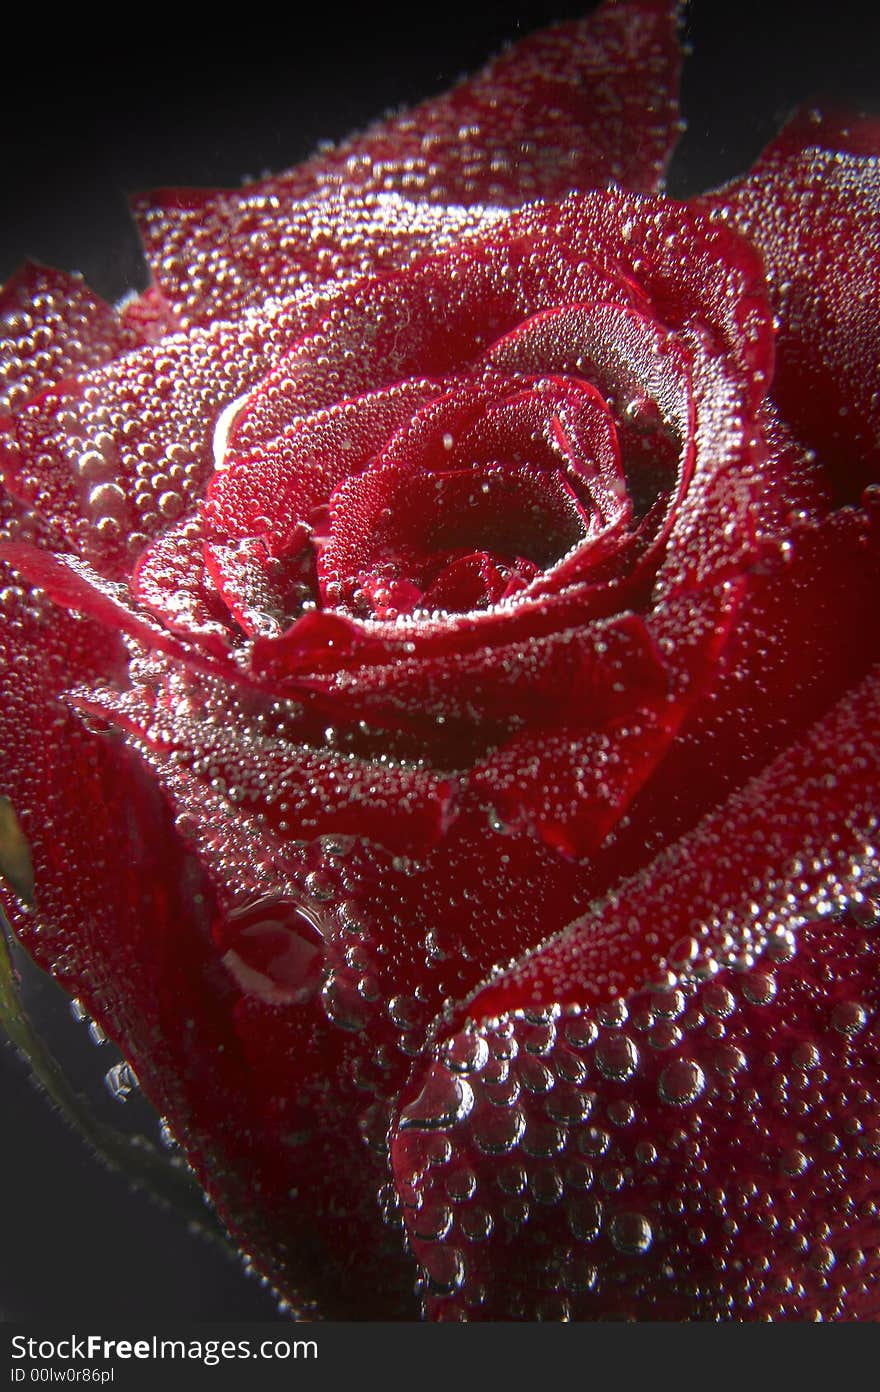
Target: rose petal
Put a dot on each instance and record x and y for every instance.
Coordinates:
(274, 490)
(700, 1152)
(125, 923)
(52, 327)
(776, 825)
(275, 790)
(438, 315)
(214, 254)
(811, 206)
(127, 448)
(73, 585)
(388, 521)
(575, 106)
(170, 580)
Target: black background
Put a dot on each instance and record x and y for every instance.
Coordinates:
(91, 112)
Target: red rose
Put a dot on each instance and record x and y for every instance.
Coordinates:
(455, 622)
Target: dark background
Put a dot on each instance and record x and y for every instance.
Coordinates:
(89, 115)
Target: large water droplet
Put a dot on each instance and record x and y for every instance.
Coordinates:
(617, 1057)
(585, 1219)
(466, 1053)
(274, 951)
(681, 1082)
(443, 1101)
(849, 1017)
(631, 1233)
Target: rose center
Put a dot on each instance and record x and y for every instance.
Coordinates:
(455, 541)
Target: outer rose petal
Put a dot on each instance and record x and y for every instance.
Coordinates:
(123, 919)
(125, 912)
(580, 105)
(706, 1152)
(170, 580)
(271, 786)
(90, 434)
(675, 1152)
(762, 859)
(442, 314)
(811, 206)
(52, 326)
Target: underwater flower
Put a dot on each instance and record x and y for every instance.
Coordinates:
(448, 598)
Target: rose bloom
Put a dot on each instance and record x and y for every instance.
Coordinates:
(446, 599)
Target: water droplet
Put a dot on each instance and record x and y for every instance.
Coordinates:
(621, 1112)
(617, 1057)
(584, 1218)
(849, 1017)
(343, 1005)
(581, 1032)
(499, 1130)
(542, 1139)
(793, 1162)
(274, 951)
(445, 1270)
(120, 1081)
(669, 1006)
(681, 1082)
(631, 1233)
(683, 952)
(443, 1102)
(718, 1001)
(568, 1106)
(461, 1185)
(759, 988)
(432, 1222)
(614, 1014)
(730, 1059)
(535, 1076)
(806, 1055)
(665, 1035)
(465, 1053)
(512, 1179)
(580, 1276)
(821, 1259)
(593, 1141)
(476, 1223)
(546, 1185)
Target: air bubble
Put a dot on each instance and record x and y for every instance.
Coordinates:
(443, 1102)
(849, 1018)
(681, 1082)
(498, 1131)
(476, 1223)
(466, 1053)
(631, 1234)
(617, 1058)
(584, 1218)
(445, 1270)
(120, 1081)
(759, 988)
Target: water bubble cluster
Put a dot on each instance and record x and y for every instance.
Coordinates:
(729, 1175)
